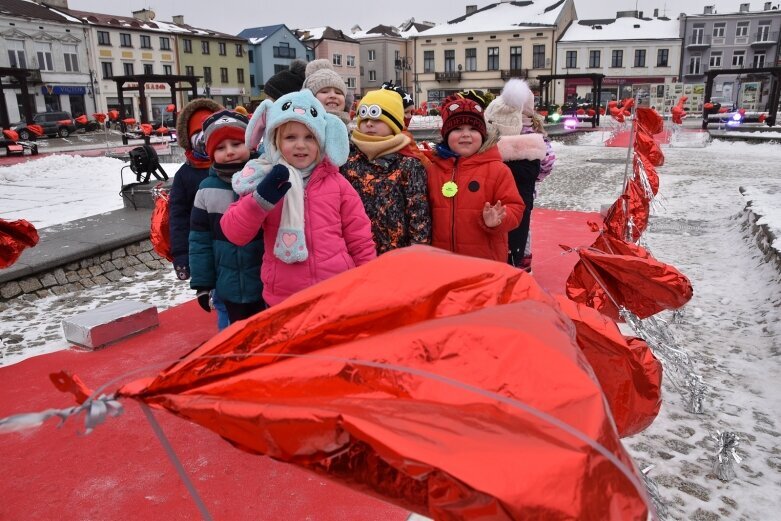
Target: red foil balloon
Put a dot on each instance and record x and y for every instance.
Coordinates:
(638, 282)
(15, 236)
(627, 370)
(446, 451)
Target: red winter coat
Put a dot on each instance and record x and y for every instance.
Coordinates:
(457, 222)
(338, 233)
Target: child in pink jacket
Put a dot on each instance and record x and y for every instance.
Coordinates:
(313, 220)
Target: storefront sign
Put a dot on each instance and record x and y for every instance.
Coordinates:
(147, 86)
(63, 89)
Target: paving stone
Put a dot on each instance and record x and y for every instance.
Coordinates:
(59, 274)
(96, 270)
(30, 284)
(10, 289)
(118, 254)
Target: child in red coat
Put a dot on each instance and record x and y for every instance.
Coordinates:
(472, 194)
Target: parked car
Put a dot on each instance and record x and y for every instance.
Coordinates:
(59, 123)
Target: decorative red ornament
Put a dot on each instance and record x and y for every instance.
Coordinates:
(146, 128)
(15, 236)
(82, 120)
(113, 115)
(11, 134)
(708, 106)
(129, 121)
(99, 117)
(415, 441)
(170, 108)
(162, 130)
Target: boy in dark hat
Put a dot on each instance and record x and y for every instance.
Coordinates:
(217, 265)
(472, 195)
(286, 81)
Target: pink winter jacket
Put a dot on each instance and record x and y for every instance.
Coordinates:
(338, 233)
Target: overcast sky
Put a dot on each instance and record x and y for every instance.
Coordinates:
(231, 16)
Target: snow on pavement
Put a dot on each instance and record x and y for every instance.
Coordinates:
(730, 328)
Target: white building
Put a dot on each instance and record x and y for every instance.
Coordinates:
(54, 47)
(633, 53)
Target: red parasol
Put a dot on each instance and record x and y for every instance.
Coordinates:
(447, 451)
(15, 236)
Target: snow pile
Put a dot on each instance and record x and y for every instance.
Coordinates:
(61, 188)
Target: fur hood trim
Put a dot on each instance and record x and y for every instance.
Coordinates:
(183, 120)
(522, 146)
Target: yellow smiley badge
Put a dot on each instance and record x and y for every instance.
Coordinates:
(449, 189)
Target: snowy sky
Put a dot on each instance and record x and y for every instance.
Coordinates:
(236, 15)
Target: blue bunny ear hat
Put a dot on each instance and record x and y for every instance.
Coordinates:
(302, 107)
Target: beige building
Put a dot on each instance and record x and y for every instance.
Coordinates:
(341, 50)
(486, 47)
(221, 60)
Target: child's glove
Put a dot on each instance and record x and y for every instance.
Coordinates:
(182, 272)
(203, 296)
(274, 186)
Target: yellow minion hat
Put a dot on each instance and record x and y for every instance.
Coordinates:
(384, 105)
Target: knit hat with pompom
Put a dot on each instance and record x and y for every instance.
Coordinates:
(512, 110)
(320, 74)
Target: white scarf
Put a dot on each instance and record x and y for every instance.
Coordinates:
(290, 244)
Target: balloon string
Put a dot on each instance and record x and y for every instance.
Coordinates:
(169, 450)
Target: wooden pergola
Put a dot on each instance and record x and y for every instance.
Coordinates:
(140, 80)
(775, 90)
(21, 76)
(596, 80)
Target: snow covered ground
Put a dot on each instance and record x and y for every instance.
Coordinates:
(731, 328)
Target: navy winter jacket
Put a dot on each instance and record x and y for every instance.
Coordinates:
(215, 262)
(180, 204)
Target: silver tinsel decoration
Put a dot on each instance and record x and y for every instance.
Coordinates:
(678, 367)
(696, 390)
(653, 492)
(726, 454)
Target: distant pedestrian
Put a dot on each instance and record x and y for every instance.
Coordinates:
(313, 220)
(473, 199)
(195, 169)
(392, 185)
(217, 264)
(525, 148)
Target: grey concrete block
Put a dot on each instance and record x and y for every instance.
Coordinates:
(109, 323)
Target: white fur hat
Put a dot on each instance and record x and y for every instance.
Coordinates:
(512, 110)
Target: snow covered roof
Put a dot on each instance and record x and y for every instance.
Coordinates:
(258, 34)
(312, 33)
(379, 31)
(732, 7)
(503, 16)
(623, 29)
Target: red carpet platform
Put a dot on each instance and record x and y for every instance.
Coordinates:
(121, 472)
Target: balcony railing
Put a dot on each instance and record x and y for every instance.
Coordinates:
(448, 76)
(514, 73)
(764, 38)
(698, 40)
(284, 52)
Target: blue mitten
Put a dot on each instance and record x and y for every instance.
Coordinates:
(273, 187)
